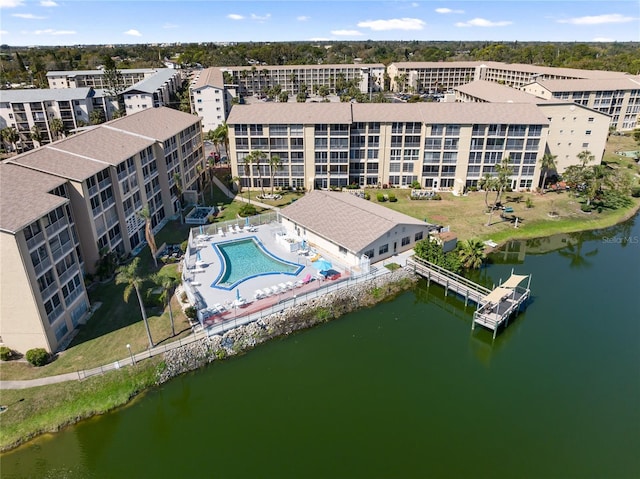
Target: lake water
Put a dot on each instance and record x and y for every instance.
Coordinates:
(404, 389)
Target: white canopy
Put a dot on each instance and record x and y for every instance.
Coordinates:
(514, 280)
(497, 294)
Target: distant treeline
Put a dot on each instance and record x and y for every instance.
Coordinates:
(29, 65)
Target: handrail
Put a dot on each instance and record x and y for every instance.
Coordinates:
(451, 275)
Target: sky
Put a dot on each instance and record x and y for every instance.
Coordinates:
(74, 22)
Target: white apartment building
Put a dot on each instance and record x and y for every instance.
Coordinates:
(152, 92)
(443, 146)
(26, 109)
(95, 78)
(251, 80)
(617, 97)
(210, 100)
(573, 128)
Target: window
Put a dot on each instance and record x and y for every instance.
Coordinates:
(591, 119)
(369, 253)
(588, 132)
(405, 241)
(418, 236)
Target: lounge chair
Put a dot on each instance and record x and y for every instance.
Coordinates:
(316, 257)
(259, 294)
(220, 307)
(307, 279)
(283, 287)
(290, 285)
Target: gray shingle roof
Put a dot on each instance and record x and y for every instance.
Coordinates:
(158, 123)
(44, 94)
(24, 196)
(345, 219)
(494, 92)
(209, 77)
(601, 84)
(152, 83)
(50, 159)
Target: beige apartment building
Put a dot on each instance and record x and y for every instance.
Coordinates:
(210, 100)
(42, 293)
(66, 204)
(573, 128)
(443, 146)
(95, 78)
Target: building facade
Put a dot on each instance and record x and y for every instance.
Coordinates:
(210, 100)
(153, 92)
(67, 204)
(442, 146)
(96, 78)
(42, 293)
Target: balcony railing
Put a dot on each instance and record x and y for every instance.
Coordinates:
(55, 314)
(48, 291)
(62, 251)
(41, 267)
(108, 202)
(93, 190)
(104, 183)
(57, 226)
(68, 274)
(35, 240)
(72, 296)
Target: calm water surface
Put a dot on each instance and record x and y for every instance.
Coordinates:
(404, 390)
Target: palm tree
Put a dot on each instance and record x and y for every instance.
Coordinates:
(148, 232)
(130, 275)
(57, 127)
(177, 180)
(36, 135)
(221, 137)
(247, 174)
(487, 183)
(472, 254)
(211, 164)
(274, 164)
(256, 158)
(547, 163)
(11, 136)
(168, 283)
(585, 157)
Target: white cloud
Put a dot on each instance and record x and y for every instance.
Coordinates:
(27, 16)
(133, 32)
(447, 10)
(393, 24)
(303, 18)
(169, 26)
(11, 3)
(259, 18)
(51, 31)
(598, 19)
(346, 33)
(48, 3)
(603, 39)
(235, 16)
(482, 22)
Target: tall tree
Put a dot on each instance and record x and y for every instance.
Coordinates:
(168, 283)
(585, 157)
(547, 163)
(36, 135)
(221, 137)
(10, 135)
(145, 214)
(177, 181)
(274, 164)
(57, 127)
(114, 83)
(131, 276)
(255, 158)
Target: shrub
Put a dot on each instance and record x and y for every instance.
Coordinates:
(415, 184)
(586, 208)
(191, 312)
(635, 192)
(367, 196)
(37, 356)
(528, 203)
(473, 188)
(247, 210)
(436, 197)
(183, 245)
(392, 198)
(211, 218)
(381, 198)
(5, 353)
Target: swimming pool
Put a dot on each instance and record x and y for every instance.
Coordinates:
(247, 258)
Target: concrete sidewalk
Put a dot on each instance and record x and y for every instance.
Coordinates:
(32, 383)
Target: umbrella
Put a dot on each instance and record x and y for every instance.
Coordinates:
(238, 297)
(322, 264)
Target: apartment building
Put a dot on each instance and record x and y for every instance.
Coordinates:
(210, 100)
(66, 204)
(152, 92)
(26, 110)
(573, 127)
(42, 293)
(617, 97)
(443, 146)
(116, 169)
(251, 80)
(95, 78)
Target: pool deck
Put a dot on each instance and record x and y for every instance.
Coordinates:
(202, 274)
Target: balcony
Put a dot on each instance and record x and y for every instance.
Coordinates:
(68, 274)
(112, 220)
(62, 251)
(55, 314)
(48, 291)
(35, 240)
(104, 183)
(93, 190)
(41, 267)
(108, 202)
(57, 226)
(73, 295)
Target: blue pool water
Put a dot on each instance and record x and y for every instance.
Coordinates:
(245, 259)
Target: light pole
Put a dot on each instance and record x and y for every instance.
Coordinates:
(133, 360)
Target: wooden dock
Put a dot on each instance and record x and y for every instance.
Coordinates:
(493, 307)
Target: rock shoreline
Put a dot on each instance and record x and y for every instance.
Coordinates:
(305, 315)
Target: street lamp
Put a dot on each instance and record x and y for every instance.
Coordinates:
(133, 360)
